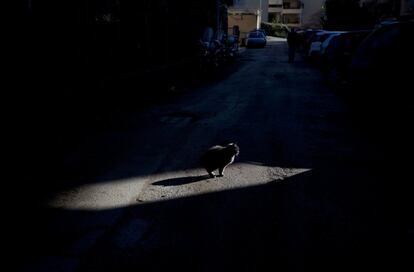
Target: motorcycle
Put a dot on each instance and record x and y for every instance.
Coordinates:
(211, 51)
(231, 47)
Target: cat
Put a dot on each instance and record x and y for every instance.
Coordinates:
(219, 157)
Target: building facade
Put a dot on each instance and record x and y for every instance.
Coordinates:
(247, 14)
(260, 7)
(288, 12)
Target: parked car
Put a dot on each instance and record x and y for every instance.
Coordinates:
(381, 67)
(344, 43)
(337, 56)
(260, 30)
(309, 36)
(327, 41)
(315, 46)
(256, 39)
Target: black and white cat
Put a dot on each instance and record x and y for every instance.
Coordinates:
(218, 158)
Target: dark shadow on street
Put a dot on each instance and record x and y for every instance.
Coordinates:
(326, 219)
(180, 180)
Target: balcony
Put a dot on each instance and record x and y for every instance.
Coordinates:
(292, 4)
(292, 11)
(275, 2)
(275, 9)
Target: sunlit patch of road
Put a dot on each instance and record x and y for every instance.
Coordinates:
(166, 186)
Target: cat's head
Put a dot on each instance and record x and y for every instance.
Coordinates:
(234, 147)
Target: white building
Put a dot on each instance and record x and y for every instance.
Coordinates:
(275, 11)
(260, 7)
(294, 13)
(287, 12)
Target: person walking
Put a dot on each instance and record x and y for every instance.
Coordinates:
(292, 40)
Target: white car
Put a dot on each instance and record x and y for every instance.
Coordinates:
(325, 44)
(316, 45)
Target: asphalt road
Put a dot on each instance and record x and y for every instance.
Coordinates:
(307, 191)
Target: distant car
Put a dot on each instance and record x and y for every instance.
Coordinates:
(256, 39)
(259, 30)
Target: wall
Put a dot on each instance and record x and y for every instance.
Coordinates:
(246, 22)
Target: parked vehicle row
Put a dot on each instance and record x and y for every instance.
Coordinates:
(373, 63)
(320, 41)
(383, 62)
(336, 55)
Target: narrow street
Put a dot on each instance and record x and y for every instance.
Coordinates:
(306, 191)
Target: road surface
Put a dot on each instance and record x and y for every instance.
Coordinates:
(306, 191)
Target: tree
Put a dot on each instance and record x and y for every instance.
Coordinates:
(345, 15)
(382, 9)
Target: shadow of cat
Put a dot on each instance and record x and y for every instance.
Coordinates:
(180, 180)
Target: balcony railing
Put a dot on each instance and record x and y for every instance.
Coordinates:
(276, 2)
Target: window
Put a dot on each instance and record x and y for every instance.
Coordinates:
(293, 4)
(291, 19)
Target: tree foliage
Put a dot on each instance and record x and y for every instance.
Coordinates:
(356, 14)
(345, 15)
